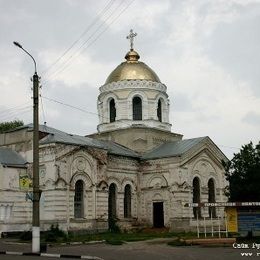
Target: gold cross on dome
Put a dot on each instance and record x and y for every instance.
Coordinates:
(131, 38)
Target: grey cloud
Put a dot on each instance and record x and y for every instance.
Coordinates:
(70, 119)
(236, 47)
(180, 102)
(48, 28)
(252, 118)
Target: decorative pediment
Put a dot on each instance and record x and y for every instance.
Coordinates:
(129, 181)
(98, 154)
(81, 163)
(81, 176)
(157, 182)
(180, 186)
(157, 197)
(205, 149)
(140, 141)
(49, 184)
(102, 185)
(60, 183)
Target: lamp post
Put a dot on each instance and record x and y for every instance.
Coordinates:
(36, 190)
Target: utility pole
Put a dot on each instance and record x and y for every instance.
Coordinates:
(36, 189)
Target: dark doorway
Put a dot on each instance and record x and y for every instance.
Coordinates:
(158, 215)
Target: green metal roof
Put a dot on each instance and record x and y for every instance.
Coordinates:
(174, 148)
(10, 158)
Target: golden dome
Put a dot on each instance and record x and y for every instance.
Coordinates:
(132, 69)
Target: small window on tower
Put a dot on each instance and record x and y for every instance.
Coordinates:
(159, 110)
(112, 110)
(137, 108)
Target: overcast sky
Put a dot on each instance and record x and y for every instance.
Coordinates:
(207, 53)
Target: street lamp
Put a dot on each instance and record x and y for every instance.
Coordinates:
(36, 190)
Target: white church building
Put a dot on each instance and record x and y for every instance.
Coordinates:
(134, 170)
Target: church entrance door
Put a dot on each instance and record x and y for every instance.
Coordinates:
(158, 215)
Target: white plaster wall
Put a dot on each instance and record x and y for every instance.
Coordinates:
(123, 93)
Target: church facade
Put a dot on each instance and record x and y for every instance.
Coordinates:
(134, 170)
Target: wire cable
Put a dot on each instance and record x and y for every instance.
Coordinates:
(72, 57)
(13, 108)
(15, 114)
(104, 10)
(80, 109)
(42, 109)
(93, 113)
(77, 52)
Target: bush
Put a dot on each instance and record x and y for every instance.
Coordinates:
(115, 242)
(113, 227)
(26, 236)
(54, 234)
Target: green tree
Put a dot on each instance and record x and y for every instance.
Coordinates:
(243, 174)
(5, 126)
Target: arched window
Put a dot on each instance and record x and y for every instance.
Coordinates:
(127, 201)
(137, 108)
(211, 198)
(159, 110)
(112, 201)
(112, 110)
(196, 197)
(78, 200)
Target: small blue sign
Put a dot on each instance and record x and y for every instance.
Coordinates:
(248, 221)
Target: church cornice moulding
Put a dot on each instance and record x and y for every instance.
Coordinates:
(137, 84)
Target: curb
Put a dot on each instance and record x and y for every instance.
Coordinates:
(51, 255)
(79, 243)
(211, 241)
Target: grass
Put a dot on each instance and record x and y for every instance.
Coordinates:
(55, 235)
(120, 238)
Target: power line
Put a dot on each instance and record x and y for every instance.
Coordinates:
(80, 109)
(229, 147)
(43, 113)
(107, 7)
(15, 114)
(93, 113)
(13, 108)
(68, 105)
(66, 64)
(17, 111)
(77, 51)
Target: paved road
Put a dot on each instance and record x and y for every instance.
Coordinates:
(138, 251)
